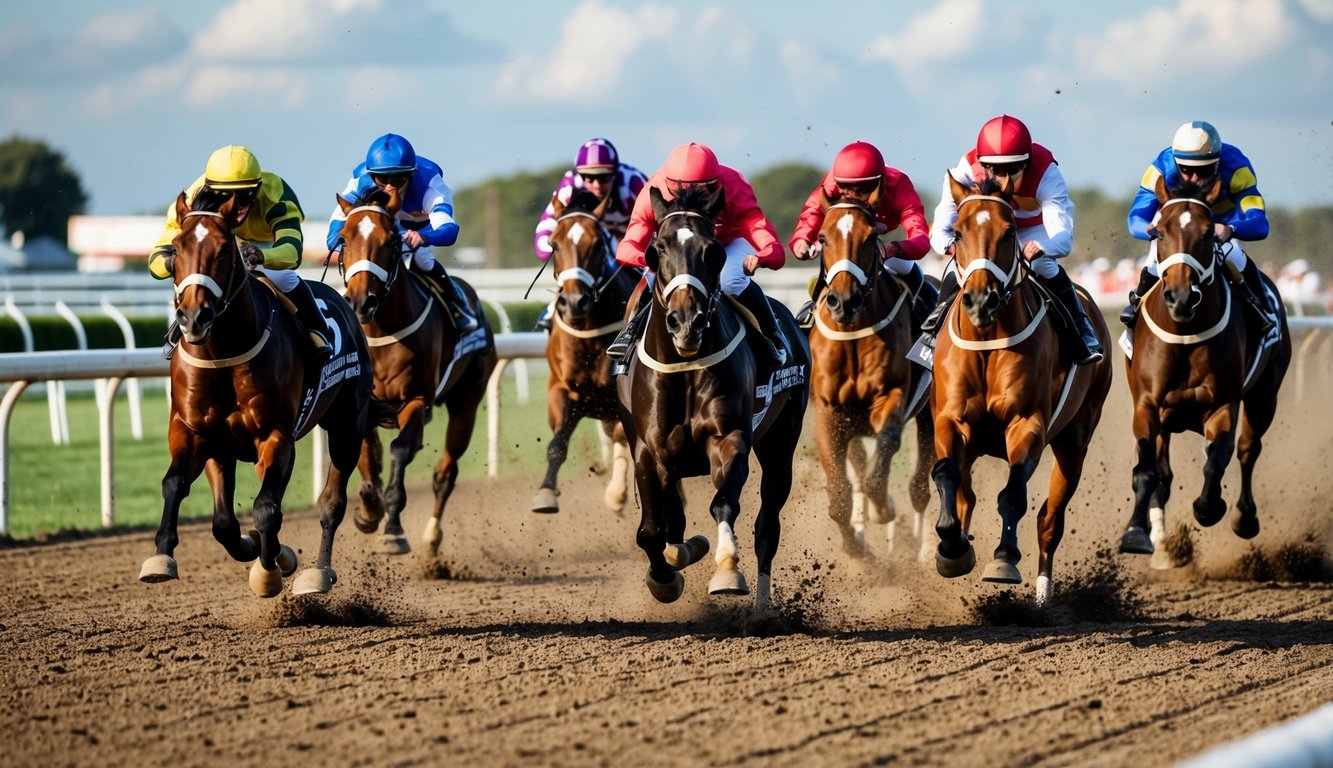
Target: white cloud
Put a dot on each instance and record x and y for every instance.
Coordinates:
(950, 30)
(1320, 9)
(212, 86)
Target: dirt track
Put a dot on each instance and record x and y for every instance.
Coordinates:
(545, 648)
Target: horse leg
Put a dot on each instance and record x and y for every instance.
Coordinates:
(729, 456)
(954, 555)
(1148, 439)
(404, 448)
(1219, 444)
(226, 529)
(462, 420)
(563, 417)
(1069, 449)
(274, 467)
(187, 461)
(344, 447)
(1025, 438)
(617, 487)
(1255, 419)
(367, 518)
(886, 420)
(919, 487)
(775, 454)
(665, 583)
(832, 434)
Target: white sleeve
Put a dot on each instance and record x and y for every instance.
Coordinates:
(946, 213)
(439, 202)
(1057, 215)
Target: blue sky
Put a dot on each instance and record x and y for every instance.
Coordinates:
(137, 94)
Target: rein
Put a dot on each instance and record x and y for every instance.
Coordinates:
(1010, 280)
(225, 299)
(597, 284)
(1206, 274)
(866, 282)
(386, 277)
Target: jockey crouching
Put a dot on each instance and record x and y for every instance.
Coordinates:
(748, 236)
(1030, 178)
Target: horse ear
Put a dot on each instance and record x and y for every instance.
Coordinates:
(602, 206)
(716, 202)
(1160, 190)
(1214, 191)
(395, 200)
(227, 207)
(956, 188)
(824, 197)
(715, 258)
(650, 255)
(872, 199)
(659, 203)
(343, 204)
(557, 207)
(182, 207)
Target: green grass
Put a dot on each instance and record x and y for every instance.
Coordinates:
(57, 488)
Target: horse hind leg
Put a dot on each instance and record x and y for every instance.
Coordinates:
(1256, 418)
(1069, 451)
(563, 418)
(617, 487)
(344, 447)
(1219, 445)
(368, 516)
(775, 454)
(462, 420)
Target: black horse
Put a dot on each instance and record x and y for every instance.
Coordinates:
(694, 402)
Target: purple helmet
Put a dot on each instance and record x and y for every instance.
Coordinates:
(597, 156)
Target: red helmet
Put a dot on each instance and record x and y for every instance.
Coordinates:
(1003, 139)
(691, 164)
(857, 163)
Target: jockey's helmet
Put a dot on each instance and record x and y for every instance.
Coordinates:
(1196, 143)
(858, 163)
(689, 165)
(1003, 139)
(232, 167)
(597, 157)
(390, 155)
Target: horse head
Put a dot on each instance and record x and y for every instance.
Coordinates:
(207, 264)
(986, 249)
(686, 254)
(372, 250)
(1185, 244)
(581, 248)
(850, 251)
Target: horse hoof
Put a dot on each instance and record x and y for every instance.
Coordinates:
(394, 544)
(686, 553)
(158, 568)
(953, 567)
(879, 514)
(1136, 541)
(1162, 561)
(669, 592)
(287, 560)
(365, 525)
(728, 583)
(1246, 526)
(1209, 513)
(250, 541)
(264, 582)
(314, 581)
(615, 499)
(432, 535)
(1001, 572)
(544, 502)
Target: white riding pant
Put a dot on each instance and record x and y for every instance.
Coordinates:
(422, 258)
(1231, 251)
(285, 279)
(898, 266)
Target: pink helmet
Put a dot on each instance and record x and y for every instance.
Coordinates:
(597, 156)
(1003, 139)
(691, 164)
(857, 163)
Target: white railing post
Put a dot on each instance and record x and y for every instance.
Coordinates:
(81, 342)
(106, 432)
(520, 365)
(493, 419)
(6, 410)
(132, 388)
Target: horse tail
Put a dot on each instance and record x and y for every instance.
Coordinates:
(382, 414)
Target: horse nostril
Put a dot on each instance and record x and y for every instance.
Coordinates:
(1169, 295)
(833, 301)
(672, 322)
(968, 301)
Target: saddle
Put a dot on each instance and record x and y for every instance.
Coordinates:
(1062, 320)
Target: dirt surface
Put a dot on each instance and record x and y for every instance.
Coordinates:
(541, 645)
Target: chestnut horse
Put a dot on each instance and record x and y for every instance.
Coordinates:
(589, 311)
(243, 389)
(1003, 388)
(1192, 362)
(694, 402)
(419, 361)
(861, 380)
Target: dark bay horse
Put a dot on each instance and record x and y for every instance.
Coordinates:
(1193, 361)
(694, 403)
(1003, 388)
(242, 389)
(589, 311)
(861, 380)
(420, 361)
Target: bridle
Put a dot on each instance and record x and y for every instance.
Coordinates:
(866, 282)
(1206, 274)
(598, 283)
(387, 277)
(234, 286)
(686, 279)
(1009, 278)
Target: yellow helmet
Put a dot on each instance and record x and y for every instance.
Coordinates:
(232, 167)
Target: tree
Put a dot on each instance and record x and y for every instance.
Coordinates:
(39, 190)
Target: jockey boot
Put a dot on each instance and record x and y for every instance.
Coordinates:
(771, 346)
(948, 291)
(1146, 281)
(920, 293)
(173, 338)
(806, 317)
(465, 319)
(1248, 286)
(544, 319)
(1087, 347)
(619, 348)
(312, 321)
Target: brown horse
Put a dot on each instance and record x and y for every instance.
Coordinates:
(589, 311)
(243, 389)
(1193, 361)
(419, 361)
(694, 402)
(861, 380)
(1003, 388)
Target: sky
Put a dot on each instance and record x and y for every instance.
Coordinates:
(137, 94)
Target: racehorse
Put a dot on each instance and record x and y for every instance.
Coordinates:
(420, 361)
(861, 380)
(1193, 361)
(1004, 388)
(243, 389)
(694, 402)
(589, 311)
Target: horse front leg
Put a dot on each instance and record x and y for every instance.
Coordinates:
(1025, 439)
(1148, 435)
(226, 529)
(1255, 419)
(1219, 445)
(404, 448)
(617, 487)
(832, 434)
(562, 416)
(886, 419)
(729, 456)
(274, 467)
(665, 583)
(187, 461)
(462, 421)
(954, 555)
(344, 447)
(368, 516)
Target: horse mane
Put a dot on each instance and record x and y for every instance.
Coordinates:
(1189, 189)
(989, 186)
(209, 199)
(691, 199)
(376, 196)
(583, 200)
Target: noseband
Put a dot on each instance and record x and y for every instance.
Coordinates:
(686, 279)
(596, 283)
(385, 276)
(849, 266)
(1010, 278)
(1206, 274)
(206, 281)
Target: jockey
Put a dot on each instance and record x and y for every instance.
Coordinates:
(426, 217)
(1198, 156)
(748, 236)
(597, 168)
(860, 167)
(1027, 174)
(234, 170)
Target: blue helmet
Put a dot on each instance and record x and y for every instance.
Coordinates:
(391, 154)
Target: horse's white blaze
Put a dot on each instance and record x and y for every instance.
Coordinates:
(683, 235)
(576, 233)
(726, 543)
(845, 224)
(200, 232)
(1184, 219)
(365, 226)
(983, 217)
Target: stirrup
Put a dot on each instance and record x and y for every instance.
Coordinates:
(464, 322)
(320, 346)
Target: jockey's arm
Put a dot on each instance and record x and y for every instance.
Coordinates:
(441, 229)
(1249, 219)
(911, 215)
(946, 212)
(1056, 234)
